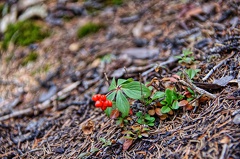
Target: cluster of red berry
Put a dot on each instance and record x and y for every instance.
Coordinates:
(101, 101)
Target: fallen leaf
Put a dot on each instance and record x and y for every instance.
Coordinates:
(189, 107)
(88, 128)
(114, 114)
(127, 144)
(203, 99)
(182, 103)
(151, 112)
(171, 112)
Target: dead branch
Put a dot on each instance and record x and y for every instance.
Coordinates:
(217, 66)
(201, 91)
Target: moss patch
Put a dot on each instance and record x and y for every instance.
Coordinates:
(114, 2)
(23, 33)
(30, 58)
(88, 29)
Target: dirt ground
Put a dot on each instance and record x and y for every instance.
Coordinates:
(46, 109)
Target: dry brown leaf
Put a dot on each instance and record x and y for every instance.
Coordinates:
(182, 103)
(189, 107)
(88, 127)
(203, 99)
(151, 112)
(114, 114)
(127, 144)
(171, 112)
(163, 117)
(158, 111)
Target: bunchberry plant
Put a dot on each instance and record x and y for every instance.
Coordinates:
(121, 90)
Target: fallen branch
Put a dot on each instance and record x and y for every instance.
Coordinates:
(42, 106)
(201, 91)
(217, 66)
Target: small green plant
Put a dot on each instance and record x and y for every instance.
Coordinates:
(105, 142)
(186, 57)
(121, 90)
(23, 33)
(88, 29)
(31, 57)
(145, 119)
(192, 72)
(171, 101)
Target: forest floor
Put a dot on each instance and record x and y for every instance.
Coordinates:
(46, 107)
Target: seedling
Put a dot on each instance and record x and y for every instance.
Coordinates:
(105, 142)
(192, 72)
(186, 57)
(145, 119)
(171, 101)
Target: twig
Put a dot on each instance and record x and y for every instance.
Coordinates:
(201, 91)
(43, 105)
(106, 78)
(223, 151)
(171, 59)
(217, 66)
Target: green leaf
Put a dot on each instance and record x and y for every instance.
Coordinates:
(112, 95)
(187, 52)
(158, 95)
(150, 124)
(187, 60)
(121, 81)
(192, 72)
(163, 102)
(112, 85)
(94, 149)
(140, 121)
(178, 57)
(139, 114)
(169, 96)
(135, 91)
(190, 90)
(175, 105)
(122, 104)
(108, 111)
(165, 109)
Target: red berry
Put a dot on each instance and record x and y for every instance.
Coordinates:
(98, 104)
(94, 98)
(105, 103)
(103, 97)
(104, 107)
(98, 96)
(109, 103)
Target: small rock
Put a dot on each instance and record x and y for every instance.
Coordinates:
(74, 47)
(236, 119)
